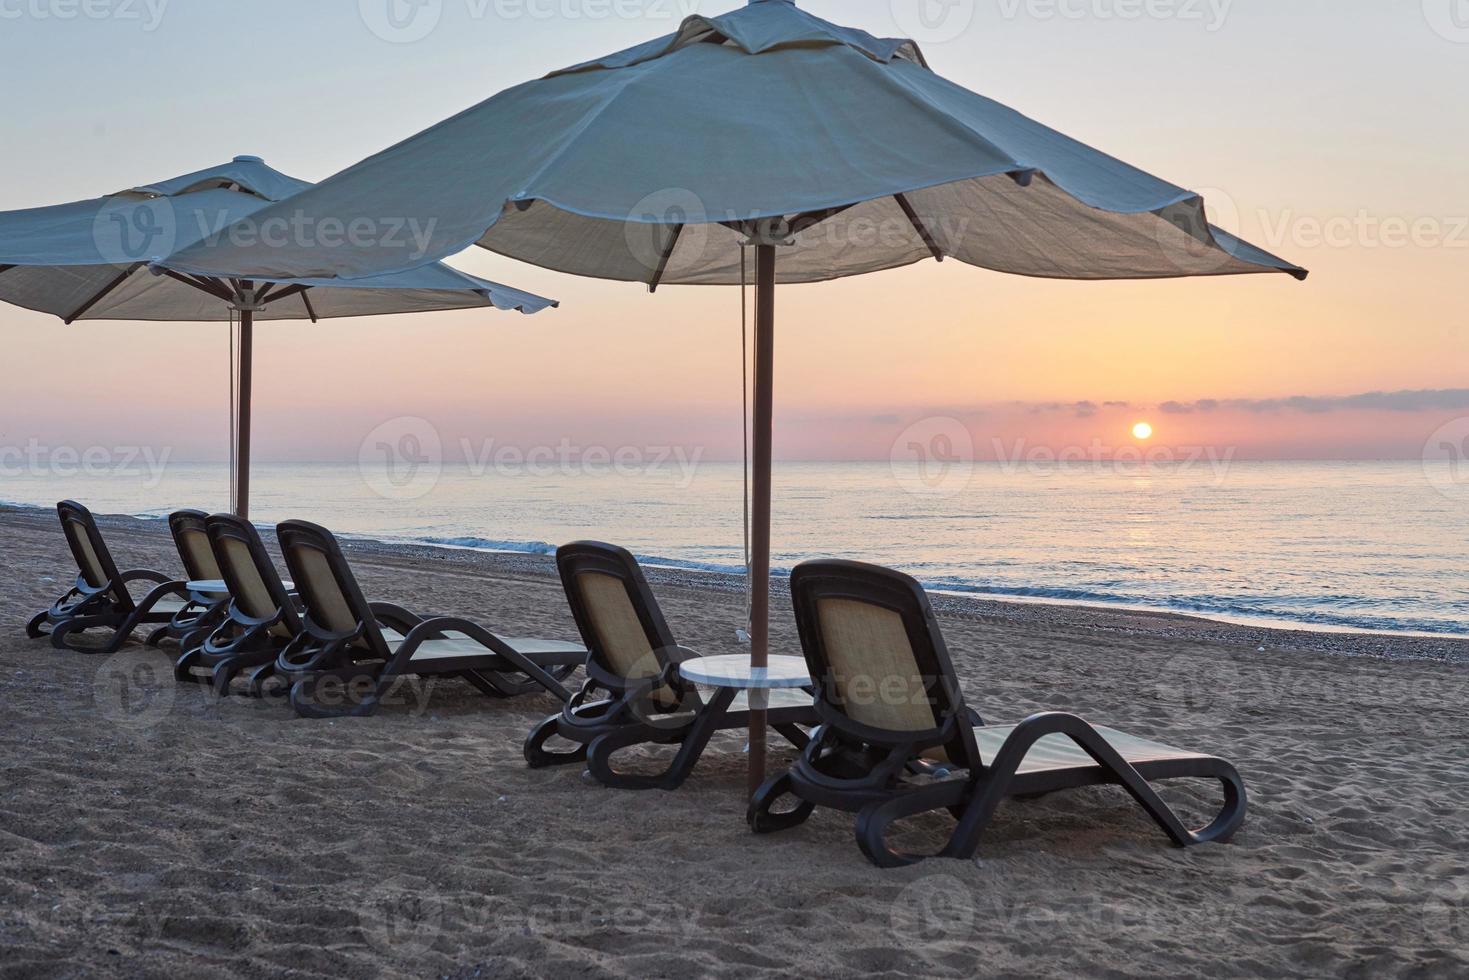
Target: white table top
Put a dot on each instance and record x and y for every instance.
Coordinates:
(735, 671)
(216, 586)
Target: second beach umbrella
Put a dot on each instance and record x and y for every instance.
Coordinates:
(107, 259)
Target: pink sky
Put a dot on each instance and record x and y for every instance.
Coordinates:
(1309, 135)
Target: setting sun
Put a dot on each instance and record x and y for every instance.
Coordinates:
(1142, 431)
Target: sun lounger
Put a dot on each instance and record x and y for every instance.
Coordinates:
(633, 694)
(898, 740)
(203, 609)
(100, 598)
(260, 619)
(354, 651)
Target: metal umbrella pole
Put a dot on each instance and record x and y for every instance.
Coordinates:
(764, 430)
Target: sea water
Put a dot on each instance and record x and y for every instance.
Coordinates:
(1333, 545)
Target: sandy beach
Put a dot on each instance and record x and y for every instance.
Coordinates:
(149, 830)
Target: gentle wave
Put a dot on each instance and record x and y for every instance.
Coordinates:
(1361, 546)
(485, 544)
(1220, 607)
(1205, 606)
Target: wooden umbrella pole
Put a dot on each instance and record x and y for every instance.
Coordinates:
(760, 529)
(242, 435)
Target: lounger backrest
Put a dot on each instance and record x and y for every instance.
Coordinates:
(190, 529)
(93, 559)
(620, 622)
(255, 587)
(874, 648)
(334, 603)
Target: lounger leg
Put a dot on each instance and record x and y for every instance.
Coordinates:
(123, 632)
(257, 679)
(1232, 814)
(539, 757)
(761, 816)
(793, 734)
(183, 668)
(79, 624)
(142, 613)
(874, 821)
(59, 632)
(508, 686)
(695, 737)
(988, 795)
(223, 673)
(539, 675)
(488, 687)
(602, 748)
(305, 701)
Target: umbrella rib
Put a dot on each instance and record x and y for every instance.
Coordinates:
(811, 219)
(663, 259)
(797, 224)
(283, 294)
(218, 292)
(103, 293)
(919, 226)
(307, 300)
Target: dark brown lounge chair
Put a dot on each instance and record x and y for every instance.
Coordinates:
(898, 740)
(203, 609)
(633, 694)
(260, 619)
(357, 650)
(100, 599)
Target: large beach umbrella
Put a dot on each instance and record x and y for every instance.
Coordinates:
(107, 259)
(829, 151)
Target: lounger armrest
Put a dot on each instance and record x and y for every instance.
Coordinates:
(163, 590)
(145, 575)
(435, 627)
(429, 629)
(394, 615)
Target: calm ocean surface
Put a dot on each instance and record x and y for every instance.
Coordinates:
(1329, 545)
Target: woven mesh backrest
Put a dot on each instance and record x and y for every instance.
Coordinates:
(621, 639)
(874, 648)
(86, 544)
(191, 538)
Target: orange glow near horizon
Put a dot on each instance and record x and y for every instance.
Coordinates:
(1329, 183)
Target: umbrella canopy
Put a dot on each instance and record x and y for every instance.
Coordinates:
(764, 112)
(837, 151)
(108, 259)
